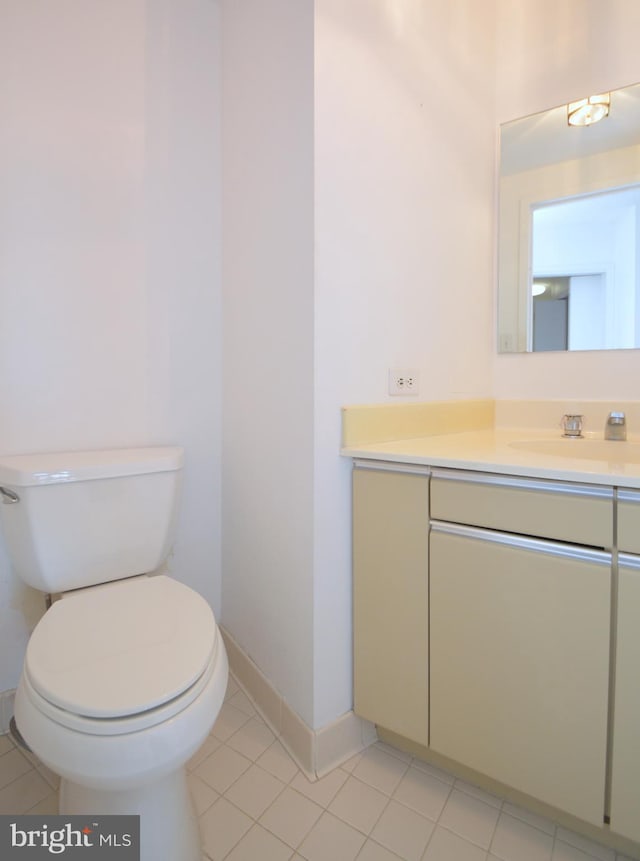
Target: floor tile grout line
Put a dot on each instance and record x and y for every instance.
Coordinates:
(389, 795)
(218, 795)
(373, 840)
(487, 849)
(367, 834)
(553, 824)
(252, 762)
(33, 806)
(464, 784)
(590, 855)
(262, 825)
(300, 842)
(386, 748)
(242, 836)
(433, 776)
(524, 822)
(439, 824)
(495, 828)
(224, 795)
(20, 776)
(389, 798)
(437, 821)
(499, 811)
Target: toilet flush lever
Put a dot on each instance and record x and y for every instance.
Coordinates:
(9, 496)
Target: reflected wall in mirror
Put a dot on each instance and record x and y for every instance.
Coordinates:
(569, 231)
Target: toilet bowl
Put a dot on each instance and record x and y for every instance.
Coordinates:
(118, 712)
(123, 763)
(124, 677)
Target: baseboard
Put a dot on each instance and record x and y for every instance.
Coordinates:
(6, 710)
(315, 751)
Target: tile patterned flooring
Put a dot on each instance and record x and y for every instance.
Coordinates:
(255, 804)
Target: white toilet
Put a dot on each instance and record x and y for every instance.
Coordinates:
(125, 674)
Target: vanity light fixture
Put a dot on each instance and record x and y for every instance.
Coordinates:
(585, 112)
(538, 288)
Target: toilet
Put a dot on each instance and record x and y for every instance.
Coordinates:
(126, 672)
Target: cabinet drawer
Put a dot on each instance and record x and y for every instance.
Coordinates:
(629, 521)
(578, 513)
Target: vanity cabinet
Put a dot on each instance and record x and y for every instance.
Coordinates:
(390, 600)
(496, 623)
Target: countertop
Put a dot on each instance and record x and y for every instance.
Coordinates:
(512, 452)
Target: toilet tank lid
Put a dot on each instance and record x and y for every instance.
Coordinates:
(29, 470)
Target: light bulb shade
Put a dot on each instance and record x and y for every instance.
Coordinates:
(585, 112)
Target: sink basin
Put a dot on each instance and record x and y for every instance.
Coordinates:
(584, 449)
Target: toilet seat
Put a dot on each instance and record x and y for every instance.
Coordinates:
(125, 723)
(121, 657)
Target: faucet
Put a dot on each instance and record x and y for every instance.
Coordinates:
(615, 427)
(572, 426)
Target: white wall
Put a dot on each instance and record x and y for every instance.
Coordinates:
(183, 245)
(267, 590)
(109, 252)
(587, 46)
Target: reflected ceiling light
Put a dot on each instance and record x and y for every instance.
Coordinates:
(538, 287)
(585, 112)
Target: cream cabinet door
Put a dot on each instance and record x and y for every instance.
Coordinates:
(519, 643)
(625, 774)
(390, 600)
(629, 521)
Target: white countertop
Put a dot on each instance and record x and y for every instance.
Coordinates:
(504, 451)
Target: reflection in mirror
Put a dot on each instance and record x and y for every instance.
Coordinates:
(569, 273)
(584, 272)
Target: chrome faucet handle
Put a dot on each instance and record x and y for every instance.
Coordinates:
(572, 425)
(616, 426)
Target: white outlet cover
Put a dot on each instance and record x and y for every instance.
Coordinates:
(403, 381)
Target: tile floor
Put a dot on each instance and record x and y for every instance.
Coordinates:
(254, 804)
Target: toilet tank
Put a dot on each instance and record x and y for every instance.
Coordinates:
(82, 518)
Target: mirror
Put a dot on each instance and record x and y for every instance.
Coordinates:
(569, 230)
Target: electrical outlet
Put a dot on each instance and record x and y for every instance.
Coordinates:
(403, 381)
